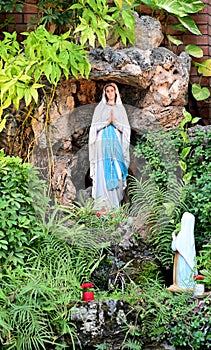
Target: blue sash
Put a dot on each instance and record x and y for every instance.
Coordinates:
(112, 151)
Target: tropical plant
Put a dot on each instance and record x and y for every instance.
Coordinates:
(160, 155)
(20, 192)
(41, 55)
(195, 156)
(204, 263)
(11, 5)
(159, 211)
(190, 153)
(97, 18)
(187, 120)
(172, 318)
(181, 9)
(37, 297)
(57, 16)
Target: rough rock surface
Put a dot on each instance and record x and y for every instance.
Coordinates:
(148, 34)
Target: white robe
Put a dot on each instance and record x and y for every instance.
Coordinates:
(105, 198)
(184, 246)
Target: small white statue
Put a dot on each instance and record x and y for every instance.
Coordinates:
(185, 253)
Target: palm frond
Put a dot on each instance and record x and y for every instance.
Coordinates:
(158, 211)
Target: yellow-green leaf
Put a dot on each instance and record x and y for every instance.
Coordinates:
(173, 40)
(205, 68)
(194, 50)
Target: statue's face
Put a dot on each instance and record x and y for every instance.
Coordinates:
(110, 93)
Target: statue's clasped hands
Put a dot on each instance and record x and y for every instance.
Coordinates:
(111, 118)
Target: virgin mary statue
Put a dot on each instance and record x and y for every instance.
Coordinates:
(109, 140)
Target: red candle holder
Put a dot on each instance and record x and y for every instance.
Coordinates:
(87, 292)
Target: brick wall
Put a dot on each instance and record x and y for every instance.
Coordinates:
(203, 20)
(19, 21)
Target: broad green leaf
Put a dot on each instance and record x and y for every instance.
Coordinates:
(37, 86)
(6, 86)
(204, 68)
(173, 40)
(16, 101)
(65, 35)
(34, 93)
(4, 78)
(74, 72)
(187, 118)
(189, 23)
(47, 70)
(129, 20)
(172, 6)
(187, 178)
(101, 37)
(27, 96)
(53, 74)
(195, 120)
(76, 6)
(87, 69)
(179, 27)
(91, 37)
(194, 50)
(185, 152)
(25, 78)
(151, 4)
(183, 165)
(7, 103)
(184, 136)
(200, 93)
(58, 73)
(192, 6)
(2, 121)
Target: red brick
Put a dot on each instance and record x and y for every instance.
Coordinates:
(200, 18)
(16, 27)
(18, 18)
(28, 17)
(203, 28)
(30, 8)
(195, 39)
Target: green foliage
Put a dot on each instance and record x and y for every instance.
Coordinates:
(204, 263)
(189, 324)
(176, 319)
(97, 18)
(204, 67)
(37, 296)
(35, 310)
(181, 9)
(42, 55)
(198, 182)
(193, 155)
(56, 15)
(160, 155)
(11, 5)
(85, 213)
(20, 191)
(159, 210)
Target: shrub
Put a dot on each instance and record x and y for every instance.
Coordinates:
(20, 191)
